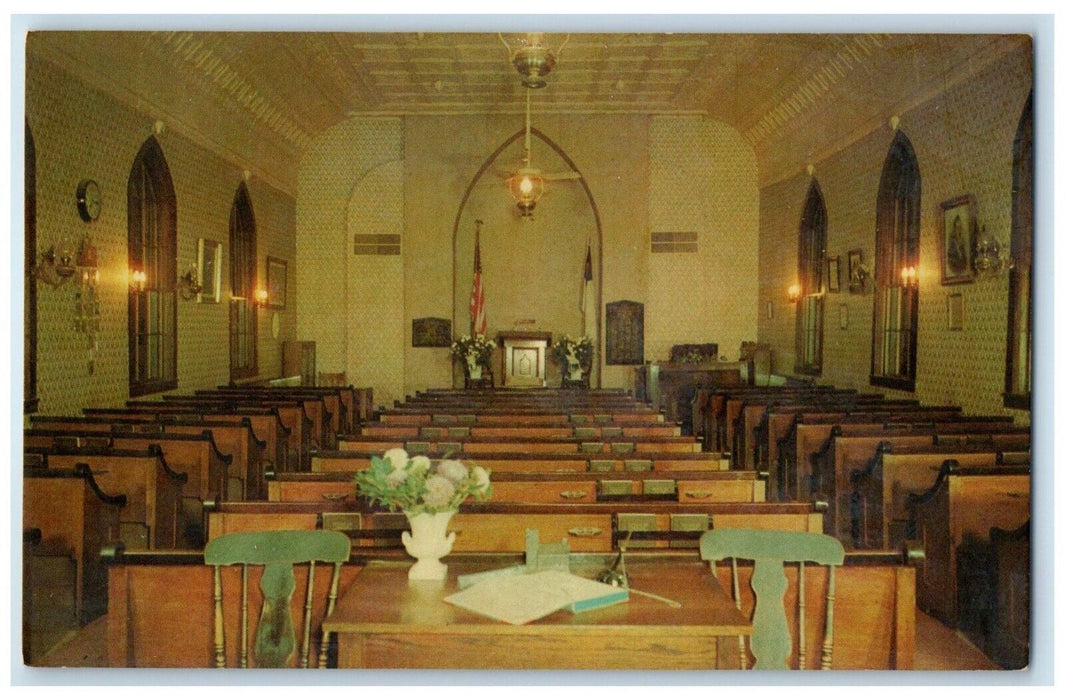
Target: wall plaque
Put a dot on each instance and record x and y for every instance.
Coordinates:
(431, 333)
(624, 333)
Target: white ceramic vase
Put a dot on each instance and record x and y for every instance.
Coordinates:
(576, 372)
(475, 369)
(427, 541)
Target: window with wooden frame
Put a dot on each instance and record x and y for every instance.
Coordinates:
(243, 317)
(810, 309)
(1018, 392)
(152, 230)
(29, 317)
(898, 242)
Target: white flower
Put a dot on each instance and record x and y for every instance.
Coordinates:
(479, 476)
(398, 457)
(438, 491)
(452, 470)
(419, 465)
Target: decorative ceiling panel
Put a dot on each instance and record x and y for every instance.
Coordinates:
(780, 91)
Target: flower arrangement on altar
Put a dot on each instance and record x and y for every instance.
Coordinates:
(415, 485)
(573, 352)
(473, 350)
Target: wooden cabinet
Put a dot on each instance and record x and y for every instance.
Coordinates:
(297, 360)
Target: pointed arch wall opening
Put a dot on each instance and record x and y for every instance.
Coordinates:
(533, 271)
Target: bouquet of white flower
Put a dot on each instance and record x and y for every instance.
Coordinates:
(473, 349)
(573, 351)
(414, 485)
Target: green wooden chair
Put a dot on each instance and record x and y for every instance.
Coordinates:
(276, 552)
(771, 643)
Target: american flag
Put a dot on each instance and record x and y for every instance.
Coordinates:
(478, 320)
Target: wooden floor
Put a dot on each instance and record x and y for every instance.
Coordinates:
(939, 648)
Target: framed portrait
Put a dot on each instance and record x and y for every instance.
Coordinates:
(955, 312)
(209, 269)
(276, 282)
(833, 274)
(957, 234)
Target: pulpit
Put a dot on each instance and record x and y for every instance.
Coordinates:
(524, 357)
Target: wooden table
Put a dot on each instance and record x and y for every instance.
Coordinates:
(386, 621)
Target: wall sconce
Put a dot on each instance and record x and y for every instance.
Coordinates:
(908, 276)
(794, 291)
(138, 280)
(262, 297)
(987, 255)
(188, 284)
(57, 264)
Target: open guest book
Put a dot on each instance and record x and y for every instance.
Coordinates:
(519, 598)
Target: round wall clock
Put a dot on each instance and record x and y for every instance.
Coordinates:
(88, 195)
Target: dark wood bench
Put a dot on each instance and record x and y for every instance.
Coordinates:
(878, 513)
(234, 437)
(962, 504)
(151, 516)
(76, 518)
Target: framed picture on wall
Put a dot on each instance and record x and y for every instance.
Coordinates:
(856, 272)
(276, 282)
(955, 312)
(833, 274)
(957, 234)
(209, 269)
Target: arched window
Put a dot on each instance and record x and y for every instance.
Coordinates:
(898, 243)
(243, 355)
(152, 225)
(810, 310)
(1019, 335)
(29, 318)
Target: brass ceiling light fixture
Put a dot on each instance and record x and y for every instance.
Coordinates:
(533, 61)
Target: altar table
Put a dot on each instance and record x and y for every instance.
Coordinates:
(386, 621)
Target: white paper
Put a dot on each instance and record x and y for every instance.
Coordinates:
(522, 598)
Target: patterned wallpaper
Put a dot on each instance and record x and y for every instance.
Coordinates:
(963, 139)
(381, 176)
(80, 133)
(703, 179)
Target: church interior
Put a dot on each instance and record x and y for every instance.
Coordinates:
(712, 282)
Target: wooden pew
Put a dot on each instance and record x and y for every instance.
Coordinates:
(316, 418)
(709, 408)
(994, 594)
(811, 451)
(480, 445)
(467, 415)
(527, 430)
(297, 424)
(347, 404)
(282, 449)
(963, 503)
(234, 437)
(672, 486)
(76, 519)
(500, 527)
(878, 514)
(844, 454)
(350, 461)
(197, 456)
(874, 619)
(161, 612)
(151, 516)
